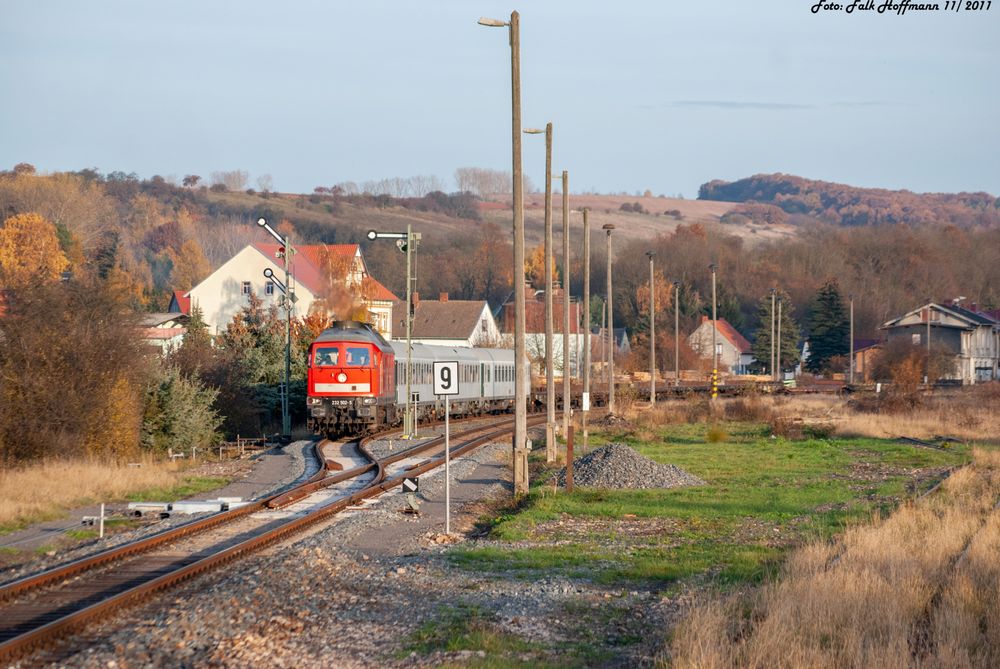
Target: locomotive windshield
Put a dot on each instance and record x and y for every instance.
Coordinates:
(325, 356)
(357, 356)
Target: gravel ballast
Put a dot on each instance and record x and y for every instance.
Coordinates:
(620, 466)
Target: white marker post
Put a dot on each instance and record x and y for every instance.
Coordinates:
(446, 383)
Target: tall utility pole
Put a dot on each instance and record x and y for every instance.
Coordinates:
(520, 446)
(778, 349)
(611, 328)
(851, 377)
(289, 300)
(773, 293)
(550, 388)
(715, 350)
(586, 322)
(927, 374)
(567, 409)
(677, 333)
(652, 331)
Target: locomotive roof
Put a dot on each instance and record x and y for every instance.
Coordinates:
(354, 331)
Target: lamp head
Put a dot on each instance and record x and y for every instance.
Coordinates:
(492, 23)
(533, 131)
(650, 254)
(713, 267)
(608, 226)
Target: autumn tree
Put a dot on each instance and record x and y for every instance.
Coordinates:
(191, 180)
(72, 371)
(29, 251)
(189, 265)
(829, 329)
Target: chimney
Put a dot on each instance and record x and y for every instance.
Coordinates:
(704, 318)
(415, 296)
(443, 297)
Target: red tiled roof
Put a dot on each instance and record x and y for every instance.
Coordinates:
(725, 329)
(183, 301)
(372, 289)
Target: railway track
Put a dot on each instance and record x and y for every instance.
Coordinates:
(38, 609)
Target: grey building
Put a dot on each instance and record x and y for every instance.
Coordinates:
(972, 336)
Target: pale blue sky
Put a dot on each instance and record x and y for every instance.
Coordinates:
(660, 95)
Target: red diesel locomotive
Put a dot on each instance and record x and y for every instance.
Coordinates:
(351, 379)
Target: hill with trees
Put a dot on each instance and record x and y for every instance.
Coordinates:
(803, 200)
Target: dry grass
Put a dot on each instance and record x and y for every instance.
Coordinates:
(42, 491)
(916, 589)
(970, 415)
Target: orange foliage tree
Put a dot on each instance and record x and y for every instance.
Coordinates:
(30, 251)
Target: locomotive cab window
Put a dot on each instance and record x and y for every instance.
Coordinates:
(357, 356)
(325, 356)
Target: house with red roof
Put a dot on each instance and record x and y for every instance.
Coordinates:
(735, 352)
(329, 278)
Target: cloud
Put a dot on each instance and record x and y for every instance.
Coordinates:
(740, 104)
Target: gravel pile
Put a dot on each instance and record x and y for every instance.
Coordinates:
(620, 466)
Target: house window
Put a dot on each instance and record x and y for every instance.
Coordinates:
(485, 325)
(915, 339)
(268, 288)
(246, 287)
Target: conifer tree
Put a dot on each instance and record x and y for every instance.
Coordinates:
(829, 328)
(790, 333)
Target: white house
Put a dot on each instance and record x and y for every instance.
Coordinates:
(314, 270)
(164, 331)
(735, 352)
(463, 323)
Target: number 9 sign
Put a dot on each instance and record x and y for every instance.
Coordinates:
(445, 378)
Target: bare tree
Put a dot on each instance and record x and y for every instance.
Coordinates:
(265, 183)
(233, 180)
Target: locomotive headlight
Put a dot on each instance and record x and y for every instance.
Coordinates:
(315, 400)
(368, 400)
(342, 378)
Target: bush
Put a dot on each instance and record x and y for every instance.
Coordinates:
(750, 410)
(716, 435)
(179, 413)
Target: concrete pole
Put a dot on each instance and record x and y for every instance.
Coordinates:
(550, 388)
(927, 375)
(611, 327)
(677, 334)
(567, 409)
(715, 350)
(851, 376)
(773, 292)
(778, 349)
(586, 318)
(652, 332)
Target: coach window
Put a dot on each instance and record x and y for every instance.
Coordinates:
(326, 356)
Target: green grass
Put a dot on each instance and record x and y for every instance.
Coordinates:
(763, 497)
(470, 628)
(191, 485)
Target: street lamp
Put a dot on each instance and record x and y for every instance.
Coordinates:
(520, 446)
(406, 242)
(715, 352)
(550, 388)
(677, 334)
(611, 328)
(567, 409)
(288, 301)
(652, 332)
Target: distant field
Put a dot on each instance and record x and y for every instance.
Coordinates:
(353, 221)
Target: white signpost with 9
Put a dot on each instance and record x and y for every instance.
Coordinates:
(446, 383)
